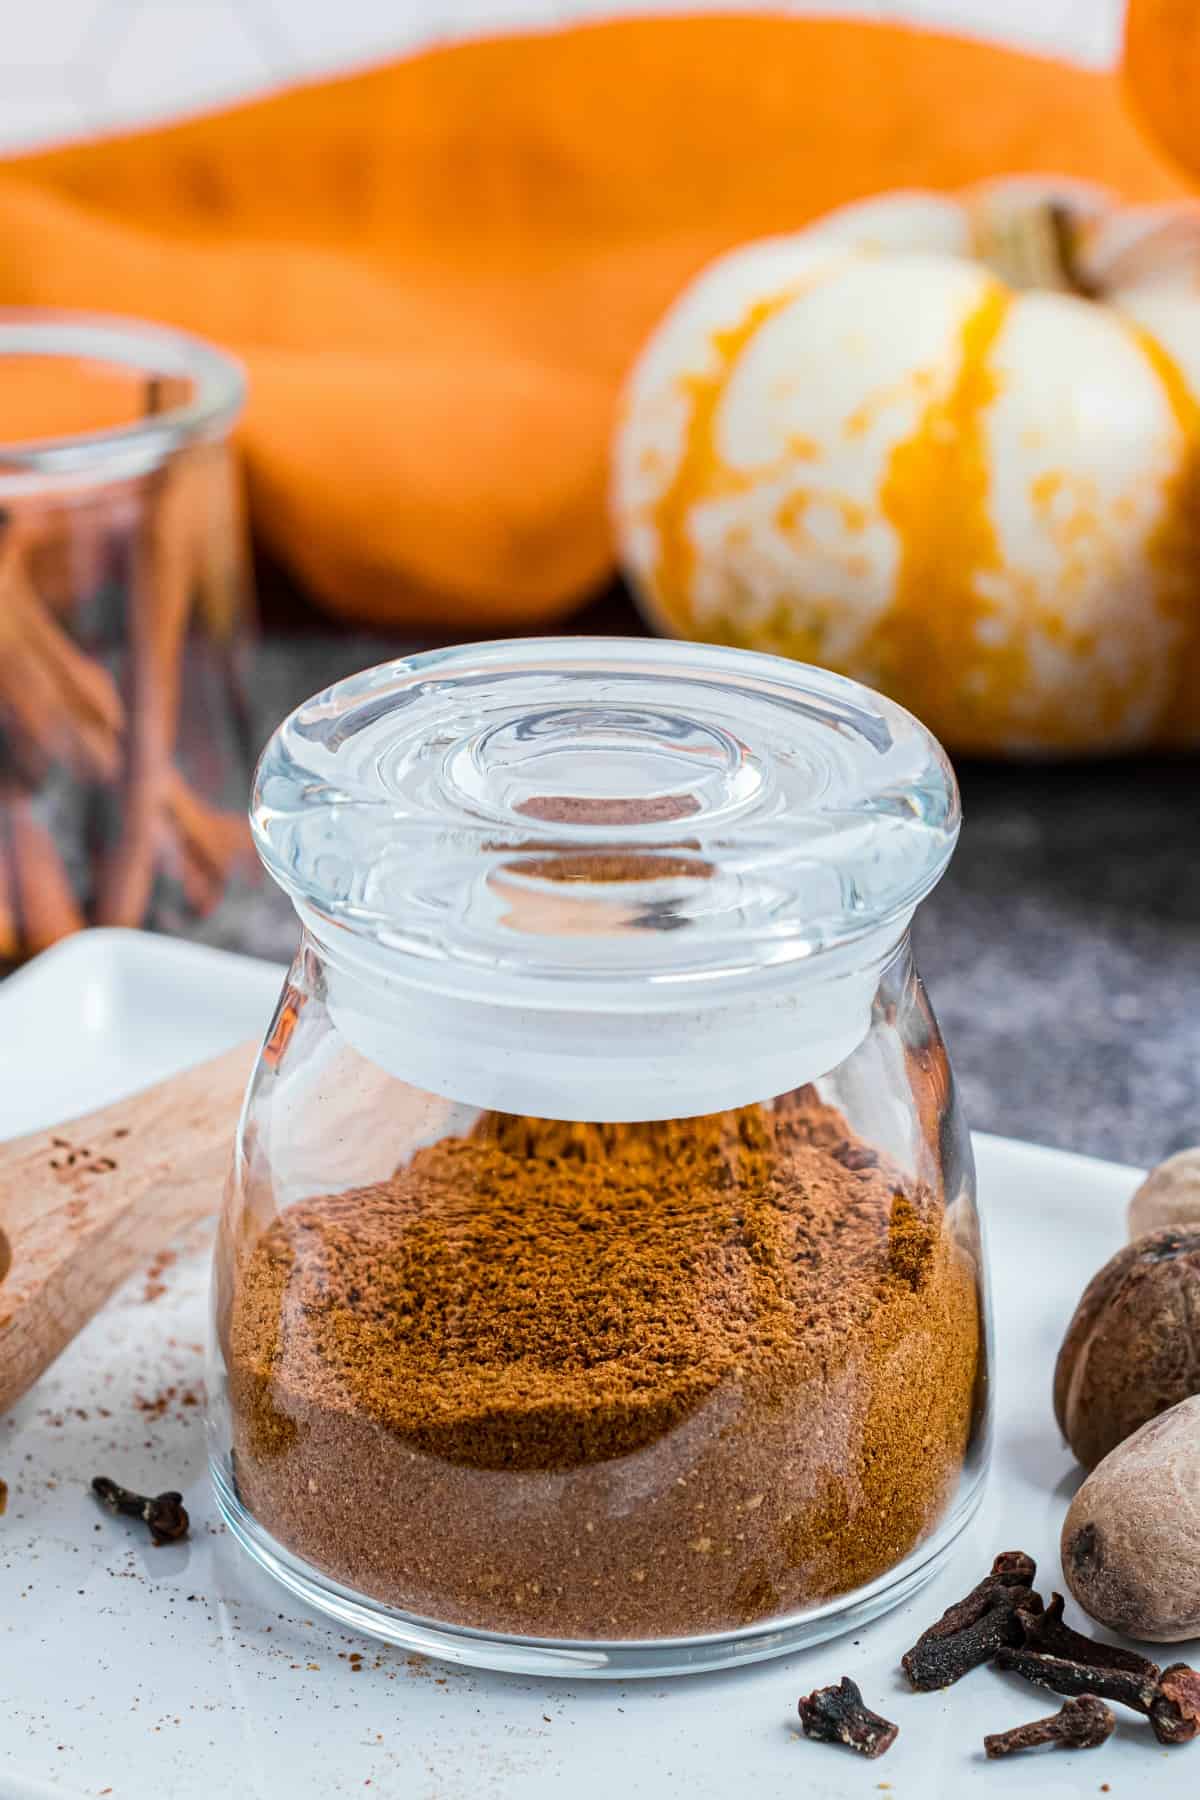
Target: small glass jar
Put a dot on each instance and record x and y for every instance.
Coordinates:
(125, 613)
(599, 1288)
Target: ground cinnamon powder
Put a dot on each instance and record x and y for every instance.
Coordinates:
(609, 1380)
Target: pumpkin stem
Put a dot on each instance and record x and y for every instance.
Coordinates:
(1037, 247)
(1066, 246)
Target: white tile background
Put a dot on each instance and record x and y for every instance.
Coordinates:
(71, 67)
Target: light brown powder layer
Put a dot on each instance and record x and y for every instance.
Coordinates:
(608, 1381)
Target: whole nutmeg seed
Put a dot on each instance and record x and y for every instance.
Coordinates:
(1131, 1541)
(1170, 1195)
(1133, 1348)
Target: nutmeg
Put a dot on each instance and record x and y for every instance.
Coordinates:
(1133, 1348)
(1131, 1542)
(1170, 1195)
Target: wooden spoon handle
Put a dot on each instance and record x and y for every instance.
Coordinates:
(81, 1204)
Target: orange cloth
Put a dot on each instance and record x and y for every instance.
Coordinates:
(438, 272)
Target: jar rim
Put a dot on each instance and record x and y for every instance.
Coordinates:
(572, 822)
(123, 451)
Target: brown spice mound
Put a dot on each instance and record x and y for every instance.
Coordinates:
(608, 1380)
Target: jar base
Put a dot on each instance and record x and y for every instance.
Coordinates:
(597, 1659)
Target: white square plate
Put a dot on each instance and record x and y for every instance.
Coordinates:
(184, 1672)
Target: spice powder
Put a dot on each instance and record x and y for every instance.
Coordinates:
(631, 1381)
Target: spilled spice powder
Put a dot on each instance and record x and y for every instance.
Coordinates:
(575, 1380)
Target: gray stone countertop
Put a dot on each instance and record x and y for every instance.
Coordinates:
(1062, 950)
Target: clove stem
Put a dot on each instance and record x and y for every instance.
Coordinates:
(1083, 1723)
(970, 1633)
(1064, 1675)
(163, 1513)
(1047, 1633)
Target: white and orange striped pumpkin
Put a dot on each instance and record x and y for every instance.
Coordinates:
(950, 446)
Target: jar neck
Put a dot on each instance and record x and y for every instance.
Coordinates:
(896, 970)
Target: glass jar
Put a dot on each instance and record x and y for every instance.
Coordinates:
(125, 747)
(599, 1288)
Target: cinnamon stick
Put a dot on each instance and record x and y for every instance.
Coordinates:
(205, 847)
(44, 904)
(160, 579)
(222, 533)
(69, 547)
(57, 705)
(10, 941)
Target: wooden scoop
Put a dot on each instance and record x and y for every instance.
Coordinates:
(82, 1204)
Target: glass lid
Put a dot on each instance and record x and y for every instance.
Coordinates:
(613, 814)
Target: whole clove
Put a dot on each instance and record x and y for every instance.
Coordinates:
(1047, 1633)
(1004, 1620)
(1175, 1710)
(1084, 1723)
(1066, 1675)
(969, 1634)
(939, 1662)
(163, 1513)
(838, 1715)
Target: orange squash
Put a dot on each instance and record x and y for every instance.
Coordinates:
(439, 272)
(1162, 71)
